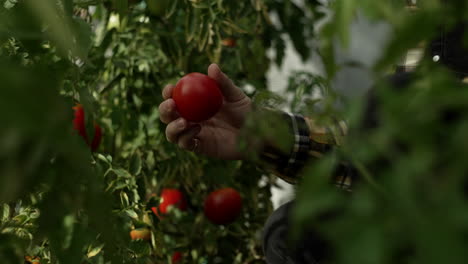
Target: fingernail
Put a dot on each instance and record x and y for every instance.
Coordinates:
(181, 122)
(171, 105)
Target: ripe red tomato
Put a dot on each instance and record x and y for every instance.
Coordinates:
(79, 122)
(176, 257)
(97, 138)
(79, 125)
(223, 206)
(140, 233)
(170, 197)
(197, 97)
(155, 211)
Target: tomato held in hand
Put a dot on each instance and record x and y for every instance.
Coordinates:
(197, 97)
(170, 197)
(79, 125)
(176, 257)
(223, 206)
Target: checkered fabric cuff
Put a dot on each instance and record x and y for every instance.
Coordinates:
(345, 177)
(301, 147)
(310, 142)
(287, 164)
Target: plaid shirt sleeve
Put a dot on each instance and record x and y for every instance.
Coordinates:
(311, 142)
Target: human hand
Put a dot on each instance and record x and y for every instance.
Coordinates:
(216, 137)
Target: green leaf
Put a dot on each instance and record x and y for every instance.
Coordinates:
(345, 10)
(121, 6)
(10, 4)
(35, 214)
(103, 158)
(296, 28)
(86, 3)
(131, 213)
(20, 219)
(173, 8)
(135, 164)
(83, 36)
(6, 212)
(122, 173)
(94, 251)
(124, 199)
(234, 27)
(59, 28)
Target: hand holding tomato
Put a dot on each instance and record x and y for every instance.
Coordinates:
(218, 136)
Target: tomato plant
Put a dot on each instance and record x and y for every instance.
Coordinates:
(197, 97)
(115, 57)
(223, 206)
(63, 205)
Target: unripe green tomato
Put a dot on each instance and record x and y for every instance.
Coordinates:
(158, 7)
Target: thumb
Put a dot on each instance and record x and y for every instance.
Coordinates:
(231, 92)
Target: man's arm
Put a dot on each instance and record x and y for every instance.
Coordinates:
(311, 141)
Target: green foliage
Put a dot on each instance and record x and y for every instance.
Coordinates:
(66, 205)
(408, 205)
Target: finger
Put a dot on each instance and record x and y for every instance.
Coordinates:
(174, 129)
(167, 91)
(187, 139)
(167, 111)
(231, 92)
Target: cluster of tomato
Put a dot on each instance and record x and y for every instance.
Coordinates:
(221, 207)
